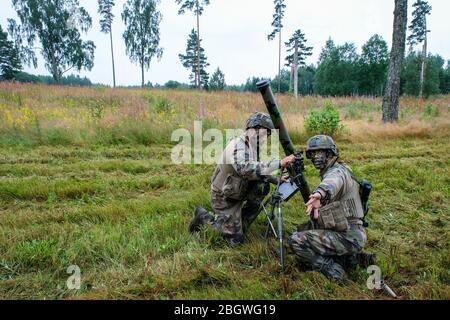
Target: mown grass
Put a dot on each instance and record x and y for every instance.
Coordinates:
(119, 209)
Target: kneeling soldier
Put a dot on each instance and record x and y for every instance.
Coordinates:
(240, 182)
(337, 208)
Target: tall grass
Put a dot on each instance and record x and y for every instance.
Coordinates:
(85, 180)
(40, 115)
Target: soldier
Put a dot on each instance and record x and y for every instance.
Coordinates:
(337, 210)
(240, 182)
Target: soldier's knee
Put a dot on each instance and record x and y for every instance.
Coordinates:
(298, 239)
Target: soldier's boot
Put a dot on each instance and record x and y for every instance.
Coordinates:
(365, 259)
(235, 240)
(201, 217)
(329, 268)
(351, 261)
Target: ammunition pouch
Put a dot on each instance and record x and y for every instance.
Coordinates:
(338, 215)
(232, 186)
(332, 217)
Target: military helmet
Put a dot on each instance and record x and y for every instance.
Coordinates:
(321, 142)
(260, 119)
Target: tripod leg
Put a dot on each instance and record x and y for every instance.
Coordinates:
(270, 226)
(280, 235)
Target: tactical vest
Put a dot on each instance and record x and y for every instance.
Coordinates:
(339, 214)
(225, 179)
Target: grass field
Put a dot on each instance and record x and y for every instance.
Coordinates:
(86, 179)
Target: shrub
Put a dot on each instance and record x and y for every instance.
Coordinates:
(162, 104)
(325, 121)
(431, 111)
(358, 109)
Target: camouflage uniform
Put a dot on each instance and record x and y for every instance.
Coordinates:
(341, 232)
(238, 186)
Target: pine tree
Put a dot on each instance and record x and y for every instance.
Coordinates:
(217, 81)
(190, 61)
(197, 6)
(392, 92)
(297, 58)
(419, 31)
(141, 36)
(326, 50)
(277, 24)
(105, 10)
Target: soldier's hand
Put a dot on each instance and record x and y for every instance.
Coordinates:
(287, 161)
(313, 205)
(284, 179)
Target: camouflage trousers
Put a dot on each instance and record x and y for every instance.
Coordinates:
(317, 248)
(232, 218)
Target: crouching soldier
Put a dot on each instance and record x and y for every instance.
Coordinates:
(338, 212)
(240, 182)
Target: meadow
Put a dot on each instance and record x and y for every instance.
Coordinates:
(86, 179)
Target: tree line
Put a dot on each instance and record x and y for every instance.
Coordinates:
(54, 29)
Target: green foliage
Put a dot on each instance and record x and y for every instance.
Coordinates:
(325, 121)
(96, 109)
(9, 58)
(306, 81)
(250, 84)
(431, 111)
(171, 84)
(71, 80)
(190, 61)
(337, 71)
(217, 81)
(142, 19)
(277, 22)
(444, 76)
(199, 76)
(373, 66)
(418, 26)
(433, 78)
(105, 8)
(36, 254)
(196, 6)
(358, 110)
(123, 220)
(57, 25)
(297, 40)
(284, 81)
(162, 104)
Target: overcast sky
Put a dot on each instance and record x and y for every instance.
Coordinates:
(234, 34)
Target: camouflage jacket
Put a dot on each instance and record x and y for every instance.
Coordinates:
(239, 164)
(338, 185)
